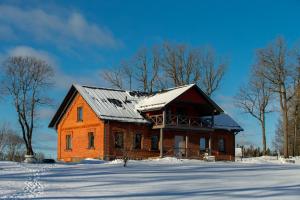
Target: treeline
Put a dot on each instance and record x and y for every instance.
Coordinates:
(12, 147)
(275, 83)
(251, 151)
(169, 65)
(11, 144)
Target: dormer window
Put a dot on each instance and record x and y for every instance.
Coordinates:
(79, 114)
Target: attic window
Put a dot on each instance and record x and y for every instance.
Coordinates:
(116, 102)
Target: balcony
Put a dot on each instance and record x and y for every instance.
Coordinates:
(180, 121)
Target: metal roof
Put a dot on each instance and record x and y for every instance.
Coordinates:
(224, 121)
(112, 104)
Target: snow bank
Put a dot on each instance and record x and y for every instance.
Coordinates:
(267, 160)
(165, 160)
(115, 162)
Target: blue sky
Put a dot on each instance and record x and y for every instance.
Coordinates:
(79, 38)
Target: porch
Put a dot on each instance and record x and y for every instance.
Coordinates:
(181, 122)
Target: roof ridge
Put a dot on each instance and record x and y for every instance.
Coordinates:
(174, 88)
(101, 88)
(122, 90)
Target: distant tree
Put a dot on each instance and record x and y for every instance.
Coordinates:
(168, 65)
(211, 70)
(180, 64)
(114, 77)
(295, 112)
(255, 99)
(277, 70)
(128, 72)
(146, 67)
(15, 147)
(279, 137)
(11, 144)
(26, 80)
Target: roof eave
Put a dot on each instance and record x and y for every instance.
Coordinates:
(62, 108)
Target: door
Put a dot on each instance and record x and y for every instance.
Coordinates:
(179, 146)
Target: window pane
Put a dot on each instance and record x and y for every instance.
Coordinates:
(119, 140)
(91, 140)
(202, 144)
(138, 141)
(68, 142)
(79, 114)
(221, 145)
(154, 142)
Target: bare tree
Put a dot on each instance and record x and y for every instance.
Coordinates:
(295, 114)
(114, 77)
(147, 68)
(11, 144)
(26, 80)
(185, 65)
(181, 64)
(169, 65)
(4, 130)
(254, 99)
(212, 71)
(276, 70)
(128, 72)
(15, 148)
(278, 141)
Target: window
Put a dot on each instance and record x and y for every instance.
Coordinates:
(202, 144)
(154, 142)
(221, 145)
(119, 140)
(138, 141)
(79, 114)
(91, 140)
(68, 142)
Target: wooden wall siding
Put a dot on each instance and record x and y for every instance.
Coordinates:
(79, 132)
(129, 130)
(192, 96)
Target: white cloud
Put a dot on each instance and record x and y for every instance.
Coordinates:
(62, 30)
(29, 51)
(62, 80)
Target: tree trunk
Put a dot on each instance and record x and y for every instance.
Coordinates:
(264, 140)
(286, 131)
(295, 134)
(29, 150)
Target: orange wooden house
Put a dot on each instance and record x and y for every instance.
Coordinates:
(106, 123)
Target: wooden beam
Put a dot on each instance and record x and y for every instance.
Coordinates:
(161, 138)
(209, 145)
(186, 145)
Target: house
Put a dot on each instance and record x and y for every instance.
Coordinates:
(107, 123)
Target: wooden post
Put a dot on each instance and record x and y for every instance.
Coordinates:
(161, 143)
(209, 145)
(164, 118)
(186, 145)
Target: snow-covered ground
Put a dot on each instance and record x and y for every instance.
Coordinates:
(168, 178)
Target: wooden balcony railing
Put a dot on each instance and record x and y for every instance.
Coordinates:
(180, 121)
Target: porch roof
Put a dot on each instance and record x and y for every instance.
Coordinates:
(160, 99)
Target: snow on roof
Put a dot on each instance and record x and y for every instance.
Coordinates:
(224, 121)
(159, 100)
(111, 104)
